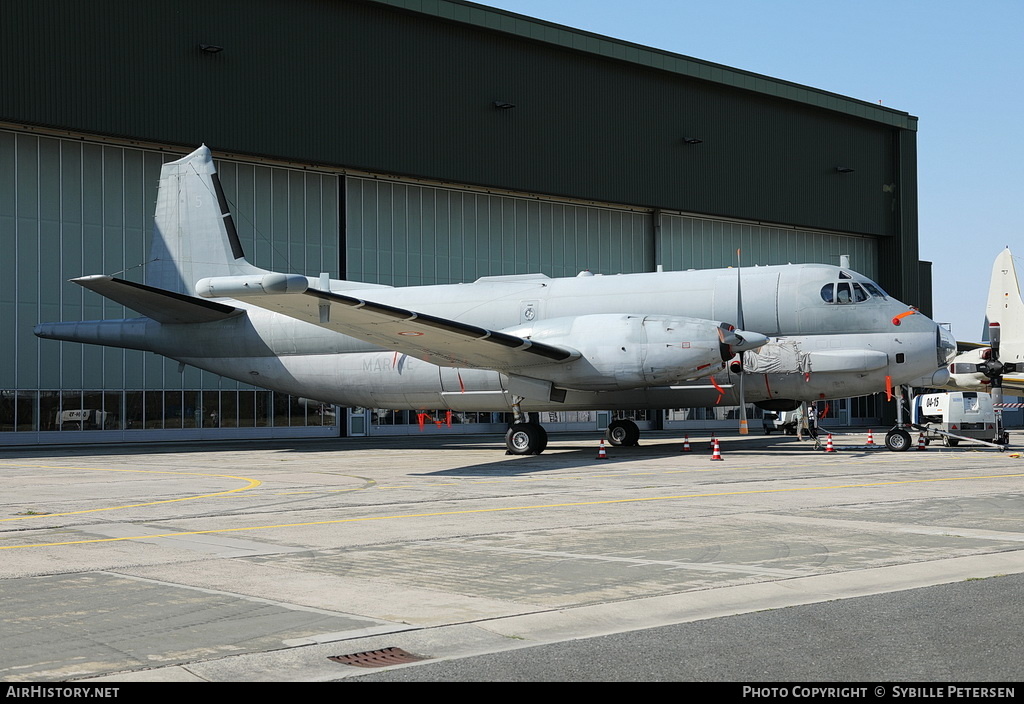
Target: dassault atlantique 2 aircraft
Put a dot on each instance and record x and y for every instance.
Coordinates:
(773, 335)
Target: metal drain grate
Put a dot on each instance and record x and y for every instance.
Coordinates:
(378, 658)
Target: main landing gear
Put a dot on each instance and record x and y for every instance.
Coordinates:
(624, 433)
(527, 436)
(526, 439)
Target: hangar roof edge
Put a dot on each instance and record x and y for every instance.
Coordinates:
(498, 20)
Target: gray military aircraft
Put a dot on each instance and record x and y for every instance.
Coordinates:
(522, 343)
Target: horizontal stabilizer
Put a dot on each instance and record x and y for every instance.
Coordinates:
(156, 303)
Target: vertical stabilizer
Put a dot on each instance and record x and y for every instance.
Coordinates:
(1006, 307)
(194, 236)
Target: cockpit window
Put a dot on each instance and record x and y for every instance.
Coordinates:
(843, 293)
(874, 290)
(844, 275)
(846, 292)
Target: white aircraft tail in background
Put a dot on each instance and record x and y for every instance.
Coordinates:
(998, 366)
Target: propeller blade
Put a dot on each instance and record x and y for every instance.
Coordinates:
(997, 392)
(993, 338)
(744, 430)
(744, 342)
(739, 294)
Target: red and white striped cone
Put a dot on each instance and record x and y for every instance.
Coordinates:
(601, 454)
(716, 454)
(714, 442)
(828, 444)
(686, 444)
(920, 442)
(871, 438)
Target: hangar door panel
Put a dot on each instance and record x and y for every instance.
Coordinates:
(407, 234)
(690, 242)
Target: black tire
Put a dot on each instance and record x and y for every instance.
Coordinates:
(898, 440)
(526, 439)
(623, 433)
(952, 442)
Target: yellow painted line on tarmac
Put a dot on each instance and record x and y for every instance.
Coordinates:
(252, 484)
(436, 514)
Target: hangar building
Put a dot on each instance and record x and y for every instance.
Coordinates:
(398, 142)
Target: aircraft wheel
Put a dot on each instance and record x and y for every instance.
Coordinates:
(897, 440)
(526, 439)
(952, 442)
(623, 432)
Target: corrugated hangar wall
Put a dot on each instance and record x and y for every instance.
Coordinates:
(368, 148)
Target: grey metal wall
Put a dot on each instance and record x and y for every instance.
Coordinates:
(693, 242)
(70, 207)
(405, 234)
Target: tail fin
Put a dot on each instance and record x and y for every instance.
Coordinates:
(1006, 307)
(194, 236)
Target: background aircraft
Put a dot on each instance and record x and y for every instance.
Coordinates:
(519, 343)
(998, 366)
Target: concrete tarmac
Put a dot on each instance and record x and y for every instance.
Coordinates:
(263, 561)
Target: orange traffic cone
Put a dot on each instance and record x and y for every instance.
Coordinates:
(601, 454)
(716, 455)
(920, 442)
(686, 444)
(828, 444)
(714, 442)
(871, 438)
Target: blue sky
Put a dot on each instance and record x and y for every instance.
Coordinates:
(954, 65)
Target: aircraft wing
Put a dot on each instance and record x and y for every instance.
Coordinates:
(440, 341)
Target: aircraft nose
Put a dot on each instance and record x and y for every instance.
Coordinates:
(946, 344)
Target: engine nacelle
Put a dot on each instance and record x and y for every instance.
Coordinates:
(629, 351)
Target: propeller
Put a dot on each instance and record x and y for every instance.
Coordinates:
(992, 367)
(733, 340)
(747, 341)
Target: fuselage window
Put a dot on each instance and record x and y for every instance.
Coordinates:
(828, 293)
